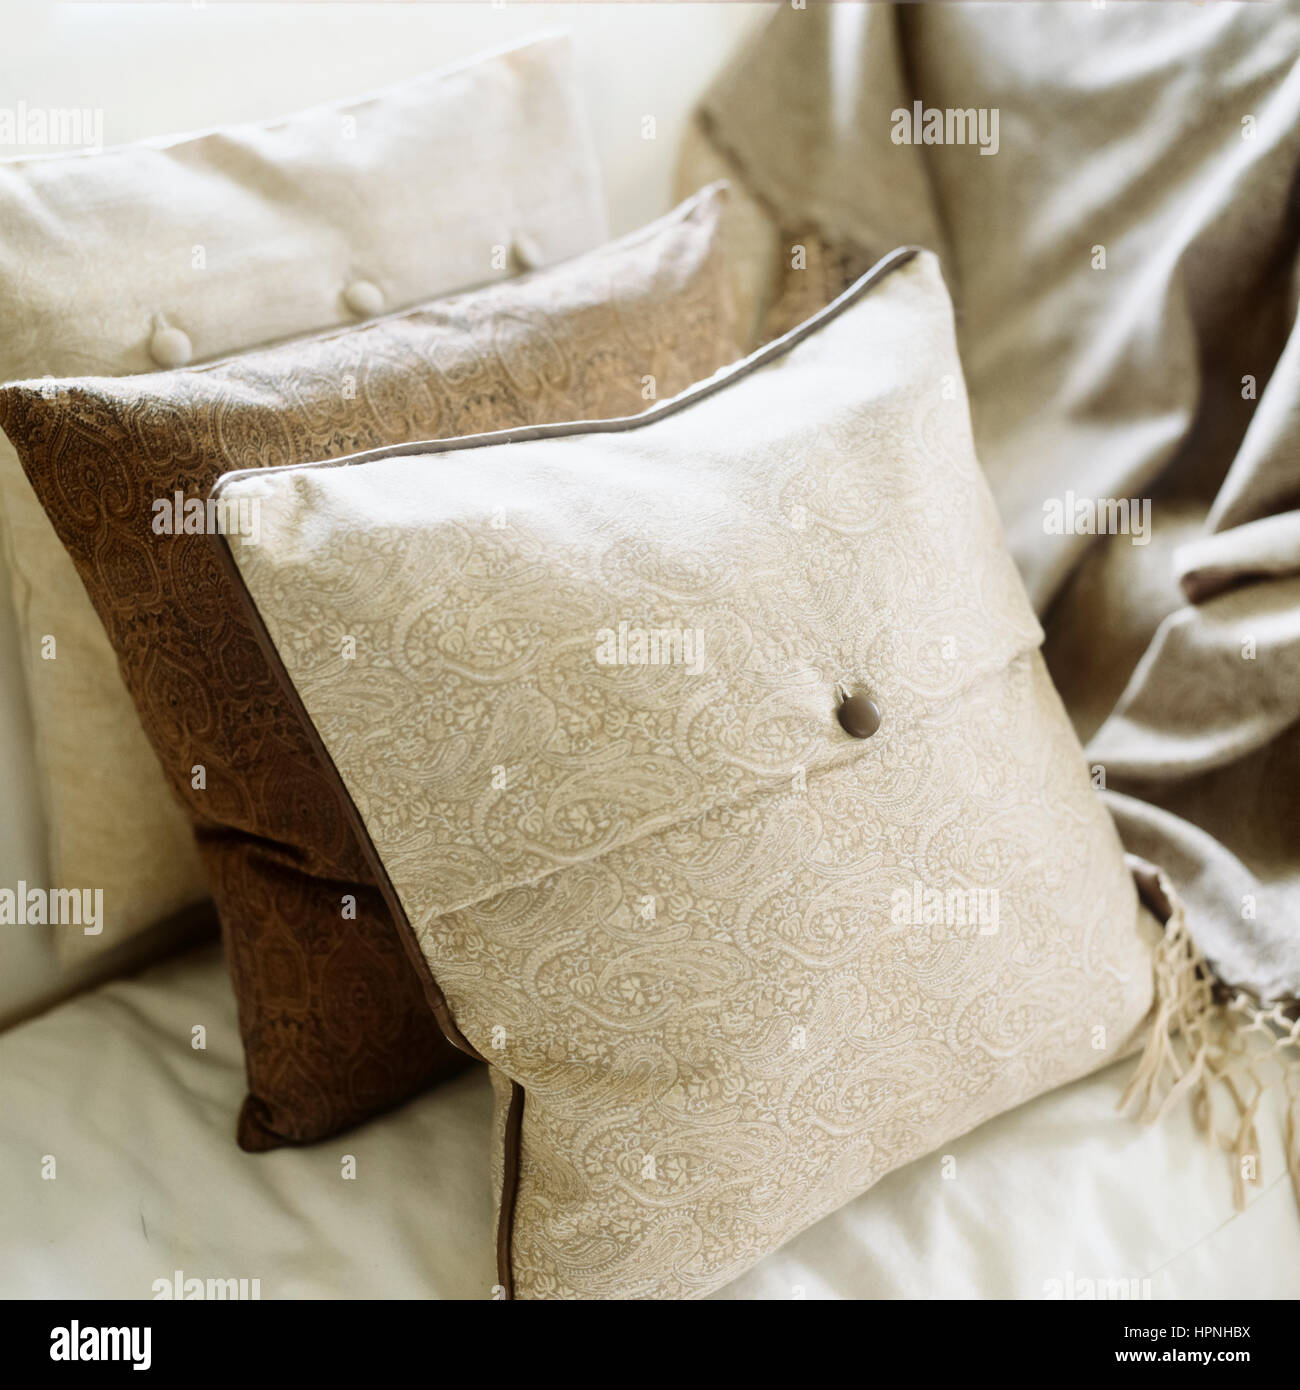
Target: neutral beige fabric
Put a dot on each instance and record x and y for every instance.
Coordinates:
(239, 237)
(797, 181)
(1166, 138)
(1058, 1190)
(675, 902)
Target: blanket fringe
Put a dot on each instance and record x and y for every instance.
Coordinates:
(1206, 1044)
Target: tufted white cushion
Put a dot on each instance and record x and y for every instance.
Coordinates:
(155, 254)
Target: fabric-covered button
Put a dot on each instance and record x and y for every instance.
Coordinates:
(528, 255)
(170, 347)
(364, 298)
(859, 715)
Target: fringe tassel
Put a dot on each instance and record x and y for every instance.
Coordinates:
(1200, 1047)
(1293, 1145)
(1184, 996)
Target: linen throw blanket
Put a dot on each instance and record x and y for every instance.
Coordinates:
(1115, 195)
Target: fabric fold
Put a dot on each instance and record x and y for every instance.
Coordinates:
(1123, 259)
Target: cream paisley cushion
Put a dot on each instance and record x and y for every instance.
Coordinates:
(729, 963)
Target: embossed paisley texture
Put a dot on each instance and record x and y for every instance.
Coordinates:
(675, 907)
(240, 237)
(334, 1020)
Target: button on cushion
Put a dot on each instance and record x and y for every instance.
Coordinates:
(528, 255)
(364, 298)
(170, 347)
(859, 716)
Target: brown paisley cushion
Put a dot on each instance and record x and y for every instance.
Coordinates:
(334, 1022)
(735, 940)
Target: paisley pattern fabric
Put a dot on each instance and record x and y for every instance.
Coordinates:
(334, 1021)
(240, 237)
(740, 964)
